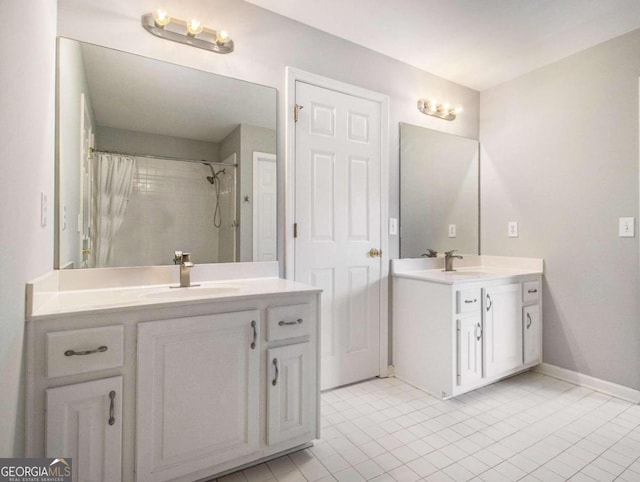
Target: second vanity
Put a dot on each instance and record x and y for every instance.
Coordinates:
(144, 382)
(455, 331)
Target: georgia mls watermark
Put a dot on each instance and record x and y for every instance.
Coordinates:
(35, 470)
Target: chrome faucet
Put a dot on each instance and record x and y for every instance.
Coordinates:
(448, 259)
(184, 259)
(431, 253)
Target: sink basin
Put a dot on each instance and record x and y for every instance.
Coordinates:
(192, 292)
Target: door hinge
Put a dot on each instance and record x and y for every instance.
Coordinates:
(296, 109)
(295, 230)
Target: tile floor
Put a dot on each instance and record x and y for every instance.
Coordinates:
(530, 427)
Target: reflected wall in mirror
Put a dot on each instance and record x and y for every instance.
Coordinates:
(439, 188)
(154, 157)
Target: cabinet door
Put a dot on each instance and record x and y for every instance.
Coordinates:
(198, 386)
(502, 329)
(290, 392)
(469, 351)
(84, 423)
(532, 339)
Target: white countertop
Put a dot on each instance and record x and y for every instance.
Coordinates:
(470, 268)
(53, 294)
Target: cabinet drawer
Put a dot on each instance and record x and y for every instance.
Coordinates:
(288, 321)
(530, 291)
(81, 351)
(468, 301)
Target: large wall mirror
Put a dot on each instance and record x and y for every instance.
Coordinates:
(154, 157)
(439, 192)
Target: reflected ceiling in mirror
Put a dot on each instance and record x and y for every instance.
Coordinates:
(154, 157)
(439, 192)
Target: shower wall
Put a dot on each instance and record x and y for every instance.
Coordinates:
(171, 208)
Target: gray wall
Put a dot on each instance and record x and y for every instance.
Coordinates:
(142, 143)
(27, 97)
(560, 155)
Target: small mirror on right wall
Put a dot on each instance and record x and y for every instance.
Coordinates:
(439, 192)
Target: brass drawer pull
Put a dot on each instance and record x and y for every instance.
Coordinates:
(255, 334)
(274, 382)
(288, 323)
(112, 417)
(100, 349)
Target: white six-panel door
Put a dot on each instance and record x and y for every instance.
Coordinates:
(338, 217)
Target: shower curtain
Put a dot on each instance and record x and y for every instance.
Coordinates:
(112, 181)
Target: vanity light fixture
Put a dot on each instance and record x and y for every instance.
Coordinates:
(442, 111)
(193, 33)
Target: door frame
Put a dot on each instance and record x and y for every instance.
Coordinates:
(294, 75)
(257, 156)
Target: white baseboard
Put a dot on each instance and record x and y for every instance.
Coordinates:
(597, 384)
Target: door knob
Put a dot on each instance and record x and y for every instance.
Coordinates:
(375, 253)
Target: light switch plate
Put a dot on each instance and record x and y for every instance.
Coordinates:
(393, 226)
(512, 229)
(452, 230)
(627, 228)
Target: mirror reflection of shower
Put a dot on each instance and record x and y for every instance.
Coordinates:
(215, 180)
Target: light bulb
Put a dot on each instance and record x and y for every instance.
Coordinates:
(194, 27)
(457, 110)
(222, 37)
(161, 18)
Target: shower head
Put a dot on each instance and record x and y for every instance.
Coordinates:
(214, 175)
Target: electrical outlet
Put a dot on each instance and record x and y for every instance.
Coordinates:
(452, 230)
(393, 226)
(627, 228)
(512, 229)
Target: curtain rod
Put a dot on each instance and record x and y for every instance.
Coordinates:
(165, 158)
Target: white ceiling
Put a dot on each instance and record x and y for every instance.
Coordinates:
(477, 43)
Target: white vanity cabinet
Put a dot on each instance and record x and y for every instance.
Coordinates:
(502, 332)
(188, 384)
(222, 390)
(531, 322)
(198, 393)
(455, 336)
(84, 422)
